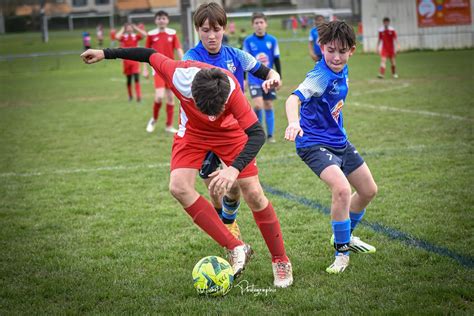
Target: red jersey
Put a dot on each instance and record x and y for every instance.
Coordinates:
(163, 42)
(388, 36)
(129, 40)
(228, 127)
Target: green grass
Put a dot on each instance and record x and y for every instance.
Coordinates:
(87, 225)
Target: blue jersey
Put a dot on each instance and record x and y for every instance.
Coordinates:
(313, 38)
(322, 96)
(229, 58)
(265, 49)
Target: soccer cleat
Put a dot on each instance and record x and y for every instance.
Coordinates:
(395, 76)
(234, 229)
(151, 125)
(271, 140)
(380, 76)
(171, 129)
(239, 257)
(282, 273)
(339, 265)
(358, 246)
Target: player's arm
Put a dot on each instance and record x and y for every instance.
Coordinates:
(292, 109)
(140, 54)
(180, 53)
(119, 34)
(139, 30)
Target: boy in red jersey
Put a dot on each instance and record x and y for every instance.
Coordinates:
(388, 39)
(128, 38)
(165, 41)
(214, 110)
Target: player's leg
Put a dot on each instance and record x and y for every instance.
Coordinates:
(136, 77)
(157, 101)
(129, 87)
(269, 225)
(257, 101)
(394, 70)
(269, 114)
(383, 62)
(169, 111)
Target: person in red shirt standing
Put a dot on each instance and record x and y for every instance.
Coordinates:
(128, 38)
(165, 41)
(389, 44)
(214, 110)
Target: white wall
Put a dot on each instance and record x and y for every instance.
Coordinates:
(404, 19)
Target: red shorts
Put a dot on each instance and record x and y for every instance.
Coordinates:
(131, 67)
(387, 53)
(159, 82)
(187, 153)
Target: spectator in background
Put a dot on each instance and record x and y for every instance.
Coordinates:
(100, 34)
(232, 28)
(314, 50)
(112, 37)
(294, 25)
(86, 40)
(387, 45)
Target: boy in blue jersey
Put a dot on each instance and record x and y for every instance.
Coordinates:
(264, 48)
(313, 46)
(210, 21)
(321, 140)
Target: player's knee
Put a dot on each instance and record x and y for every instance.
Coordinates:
(371, 192)
(342, 193)
(255, 199)
(178, 189)
(234, 192)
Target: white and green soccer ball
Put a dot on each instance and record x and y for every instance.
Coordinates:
(213, 276)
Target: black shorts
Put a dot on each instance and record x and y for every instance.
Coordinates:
(319, 157)
(210, 164)
(257, 91)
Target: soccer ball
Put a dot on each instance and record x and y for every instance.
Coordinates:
(213, 276)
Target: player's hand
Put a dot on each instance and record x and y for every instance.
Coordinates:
(271, 84)
(292, 131)
(222, 180)
(91, 56)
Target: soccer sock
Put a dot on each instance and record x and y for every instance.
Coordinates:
(393, 70)
(129, 89)
(169, 114)
(219, 211)
(382, 71)
(269, 226)
(138, 90)
(204, 216)
(342, 235)
(156, 109)
(356, 218)
(259, 115)
(270, 119)
(229, 210)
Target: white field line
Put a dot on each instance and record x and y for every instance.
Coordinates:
(381, 90)
(166, 164)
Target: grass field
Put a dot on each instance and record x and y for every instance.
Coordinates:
(87, 225)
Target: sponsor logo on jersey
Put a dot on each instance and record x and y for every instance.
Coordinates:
(263, 58)
(336, 111)
(212, 118)
(335, 88)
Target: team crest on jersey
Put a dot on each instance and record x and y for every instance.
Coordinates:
(212, 118)
(170, 39)
(336, 111)
(230, 66)
(269, 45)
(335, 88)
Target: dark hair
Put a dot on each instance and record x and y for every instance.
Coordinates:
(386, 19)
(210, 89)
(161, 13)
(338, 31)
(212, 12)
(258, 15)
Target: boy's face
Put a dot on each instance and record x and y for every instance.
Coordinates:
(128, 28)
(319, 20)
(211, 37)
(259, 26)
(162, 21)
(386, 23)
(335, 55)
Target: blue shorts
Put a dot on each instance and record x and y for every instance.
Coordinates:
(319, 157)
(257, 91)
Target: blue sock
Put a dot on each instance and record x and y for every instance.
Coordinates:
(259, 115)
(270, 119)
(356, 218)
(342, 234)
(229, 210)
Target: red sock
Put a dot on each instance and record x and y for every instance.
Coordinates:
(382, 70)
(156, 109)
(204, 215)
(137, 90)
(169, 114)
(269, 226)
(393, 70)
(129, 89)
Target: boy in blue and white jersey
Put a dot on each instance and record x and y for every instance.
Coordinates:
(264, 48)
(314, 49)
(321, 140)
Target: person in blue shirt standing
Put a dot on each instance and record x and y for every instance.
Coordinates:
(264, 47)
(210, 20)
(321, 140)
(313, 46)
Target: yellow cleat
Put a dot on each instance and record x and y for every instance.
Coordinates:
(234, 229)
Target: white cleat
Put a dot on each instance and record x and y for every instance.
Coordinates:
(150, 127)
(340, 264)
(239, 257)
(283, 274)
(358, 246)
(395, 76)
(171, 129)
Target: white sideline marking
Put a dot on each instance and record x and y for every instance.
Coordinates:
(417, 112)
(403, 86)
